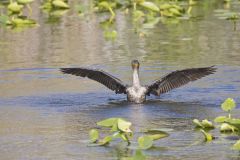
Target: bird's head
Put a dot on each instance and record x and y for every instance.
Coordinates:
(135, 64)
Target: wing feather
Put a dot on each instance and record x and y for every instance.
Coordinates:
(102, 77)
(177, 79)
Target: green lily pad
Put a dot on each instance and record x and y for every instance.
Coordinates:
(207, 124)
(104, 4)
(145, 142)
(158, 131)
(124, 125)
(105, 140)
(108, 122)
(58, 12)
(235, 122)
(165, 6)
(156, 134)
(236, 146)
(197, 123)
(94, 135)
(221, 119)
(137, 156)
(110, 35)
(60, 4)
(225, 127)
(175, 11)
(102, 142)
(24, 1)
(203, 124)
(228, 104)
(114, 127)
(15, 7)
(21, 22)
(150, 6)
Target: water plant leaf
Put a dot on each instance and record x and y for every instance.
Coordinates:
(175, 11)
(93, 135)
(221, 119)
(197, 123)
(235, 122)
(145, 142)
(105, 141)
(108, 122)
(24, 1)
(225, 127)
(137, 156)
(21, 22)
(110, 34)
(208, 136)
(236, 146)
(203, 124)
(124, 125)
(165, 6)
(58, 12)
(114, 127)
(60, 4)
(150, 6)
(15, 7)
(158, 131)
(228, 105)
(158, 136)
(104, 4)
(207, 124)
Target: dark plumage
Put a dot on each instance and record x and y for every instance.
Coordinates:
(102, 77)
(136, 92)
(177, 79)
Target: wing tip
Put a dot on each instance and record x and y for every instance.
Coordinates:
(63, 70)
(212, 69)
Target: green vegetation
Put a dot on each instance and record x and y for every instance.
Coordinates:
(228, 124)
(119, 128)
(145, 14)
(15, 16)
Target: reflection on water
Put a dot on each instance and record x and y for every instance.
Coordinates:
(47, 115)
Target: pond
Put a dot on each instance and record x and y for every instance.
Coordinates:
(47, 115)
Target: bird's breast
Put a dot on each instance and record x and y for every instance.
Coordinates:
(136, 94)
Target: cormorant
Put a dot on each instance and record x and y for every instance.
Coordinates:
(137, 93)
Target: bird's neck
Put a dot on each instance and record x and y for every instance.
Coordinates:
(136, 81)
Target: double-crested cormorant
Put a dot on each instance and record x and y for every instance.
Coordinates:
(137, 93)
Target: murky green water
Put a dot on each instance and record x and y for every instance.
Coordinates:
(47, 115)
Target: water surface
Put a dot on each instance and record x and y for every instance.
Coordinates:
(47, 115)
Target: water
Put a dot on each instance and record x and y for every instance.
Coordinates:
(47, 115)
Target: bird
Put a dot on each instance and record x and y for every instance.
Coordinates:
(136, 92)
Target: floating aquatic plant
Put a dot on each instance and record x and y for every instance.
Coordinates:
(203, 124)
(227, 123)
(120, 128)
(15, 17)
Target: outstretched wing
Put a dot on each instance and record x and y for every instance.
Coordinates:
(102, 77)
(177, 79)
